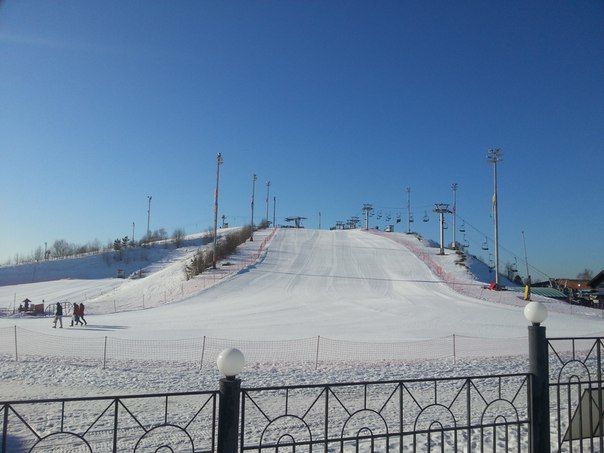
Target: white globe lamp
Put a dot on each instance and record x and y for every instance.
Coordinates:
(535, 312)
(230, 362)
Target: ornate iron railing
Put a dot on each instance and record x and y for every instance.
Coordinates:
(449, 414)
(183, 422)
(576, 394)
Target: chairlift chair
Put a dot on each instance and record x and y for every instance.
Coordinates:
(485, 245)
(466, 243)
(445, 226)
(411, 218)
(514, 267)
(462, 228)
(426, 218)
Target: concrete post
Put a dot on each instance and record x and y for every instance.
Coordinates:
(539, 370)
(228, 415)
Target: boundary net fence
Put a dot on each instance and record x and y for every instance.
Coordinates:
(21, 344)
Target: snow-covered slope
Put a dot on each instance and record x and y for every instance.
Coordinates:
(340, 284)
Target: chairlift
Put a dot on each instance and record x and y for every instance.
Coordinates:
(426, 218)
(491, 262)
(388, 217)
(398, 217)
(514, 267)
(379, 215)
(466, 243)
(485, 245)
(411, 218)
(462, 228)
(445, 226)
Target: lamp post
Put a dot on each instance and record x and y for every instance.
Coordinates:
(219, 162)
(536, 313)
(454, 188)
(494, 156)
(254, 179)
(230, 363)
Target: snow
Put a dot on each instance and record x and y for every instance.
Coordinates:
(342, 285)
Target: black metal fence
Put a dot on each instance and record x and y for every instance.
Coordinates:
(576, 398)
(557, 406)
(183, 422)
(450, 414)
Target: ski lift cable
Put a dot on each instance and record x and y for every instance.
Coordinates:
(510, 252)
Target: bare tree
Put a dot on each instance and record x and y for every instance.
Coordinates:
(586, 274)
(178, 236)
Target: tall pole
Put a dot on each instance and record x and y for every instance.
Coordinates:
(319, 220)
(494, 156)
(408, 190)
(133, 232)
(254, 179)
(367, 208)
(525, 256)
(268, 188)
(219, 162)
(274, 212)
(149, 217)
(454, 187)
(442, 209)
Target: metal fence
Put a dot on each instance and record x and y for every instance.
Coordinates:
(453, 414)
(143, 423)
(576, 394)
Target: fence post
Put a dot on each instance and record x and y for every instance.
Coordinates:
(5, 427)
(454, 353)
(539, 369)
(16, 349)
(230, 363)
(317, 354)
(105, 353)
(115, 421)
(203, 351)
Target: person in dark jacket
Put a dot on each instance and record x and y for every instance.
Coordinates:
(82, 314)
(75, 315)
(58, 316)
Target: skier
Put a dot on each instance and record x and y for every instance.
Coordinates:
(82, 314)
(75, 316)
(58, 316)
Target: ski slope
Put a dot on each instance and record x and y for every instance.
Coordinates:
(340, 284)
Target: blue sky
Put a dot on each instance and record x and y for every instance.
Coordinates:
(336, 103)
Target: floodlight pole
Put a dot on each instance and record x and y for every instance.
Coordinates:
(494, 156)
(408, 190)
(274, 211)
(219, 162)
(133, 232)
(254, 179)
(454, 186)
(268, 188)
(319, 220)
(149, 217)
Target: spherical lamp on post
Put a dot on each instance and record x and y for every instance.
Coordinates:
(230, 363)
(536, 313)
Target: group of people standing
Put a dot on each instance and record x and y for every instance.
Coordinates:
(77, 316)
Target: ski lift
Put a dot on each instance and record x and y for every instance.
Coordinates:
(411, 218)
(491, 262)
(398, 217)
(485, 246)
(379, 215)
(514, 267)
(445, 226)
(388, 217)
(426, 218)
(466, 243)
(462, 228)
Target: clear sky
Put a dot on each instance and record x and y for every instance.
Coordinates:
(337, 103)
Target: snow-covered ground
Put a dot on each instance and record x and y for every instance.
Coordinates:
(343, 285)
